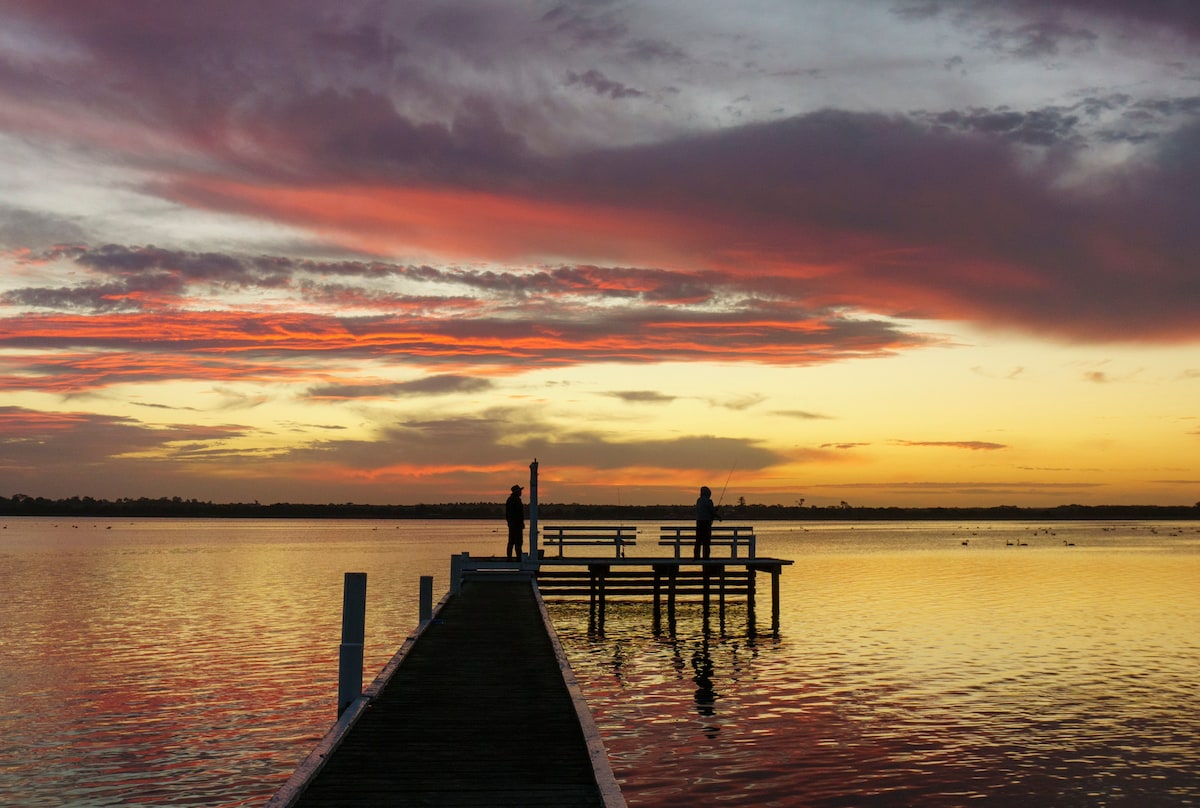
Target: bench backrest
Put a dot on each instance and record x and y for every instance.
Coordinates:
(610, 532)
(616, 536)
(733, 536)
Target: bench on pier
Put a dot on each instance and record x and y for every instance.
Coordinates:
(731, 536)
(616, 536)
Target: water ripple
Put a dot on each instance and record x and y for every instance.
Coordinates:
(194, 664)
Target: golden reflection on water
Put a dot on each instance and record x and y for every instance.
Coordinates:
(185, 663)
(933, 675)
(194, 663)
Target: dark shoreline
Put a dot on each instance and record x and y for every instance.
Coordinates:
(176, 507)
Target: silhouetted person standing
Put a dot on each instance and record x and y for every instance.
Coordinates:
(706, 512)
(514, 514)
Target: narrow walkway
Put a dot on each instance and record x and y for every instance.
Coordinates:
(477, 714)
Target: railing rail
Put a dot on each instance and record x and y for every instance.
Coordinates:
(616, 536)
(731, 536)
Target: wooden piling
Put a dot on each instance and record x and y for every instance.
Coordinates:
(425, 607)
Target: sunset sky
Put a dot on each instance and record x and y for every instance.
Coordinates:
(887, 252)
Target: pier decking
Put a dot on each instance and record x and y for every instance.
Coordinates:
(478, 714)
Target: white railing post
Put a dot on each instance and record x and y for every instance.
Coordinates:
(533, 511)
(426, 599)
(354, 627)
(457, 564)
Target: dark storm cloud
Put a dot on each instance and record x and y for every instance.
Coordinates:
(107, 298)
(360, 134)
(147, 278)
(503, 437)
(82, 453)
(972, 445)
(1040, 40)
(33, 438)
(1178, 15)
(992, 236)
(941, 214)
(292, 87)
(1049, 126)
(598, 83)
(642, 397)
(428, 386)
(216, 267)
(30, 229)
(588, 24)
(803, 415)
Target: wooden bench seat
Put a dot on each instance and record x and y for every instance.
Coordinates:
(734, 537)
(616, 536)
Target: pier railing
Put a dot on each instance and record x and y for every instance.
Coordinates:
(731, 536)
(614, 537)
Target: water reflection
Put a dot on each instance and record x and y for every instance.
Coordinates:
(937, 674)
(195, 664)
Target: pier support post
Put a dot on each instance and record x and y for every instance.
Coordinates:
(598, 574)
(751, 617)
(657, 615)
(350, 653)
(775, 572)
(672, 578)
(426, 599)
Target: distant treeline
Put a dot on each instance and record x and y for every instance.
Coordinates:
(23, 505)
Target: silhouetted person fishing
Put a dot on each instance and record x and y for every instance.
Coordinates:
(514, 514)
(706, 512)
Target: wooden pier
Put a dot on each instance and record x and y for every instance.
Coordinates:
(480, 709)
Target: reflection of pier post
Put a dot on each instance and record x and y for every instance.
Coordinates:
(751, 618)
(775, 571)
(658, 575)
(597, 575)
(672, 578)
(721, 596)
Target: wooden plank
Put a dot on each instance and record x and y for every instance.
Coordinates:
(445, 729)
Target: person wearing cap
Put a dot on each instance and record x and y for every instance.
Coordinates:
(514, 514)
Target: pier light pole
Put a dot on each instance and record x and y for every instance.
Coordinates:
(533, 511)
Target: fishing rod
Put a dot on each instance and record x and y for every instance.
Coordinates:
(722, 499)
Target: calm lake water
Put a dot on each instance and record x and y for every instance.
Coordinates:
(193, 663)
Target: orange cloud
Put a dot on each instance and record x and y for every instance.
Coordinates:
(454, 224)
(102, 349)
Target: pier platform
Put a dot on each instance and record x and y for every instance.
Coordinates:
(657, 579)
(481, 711)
